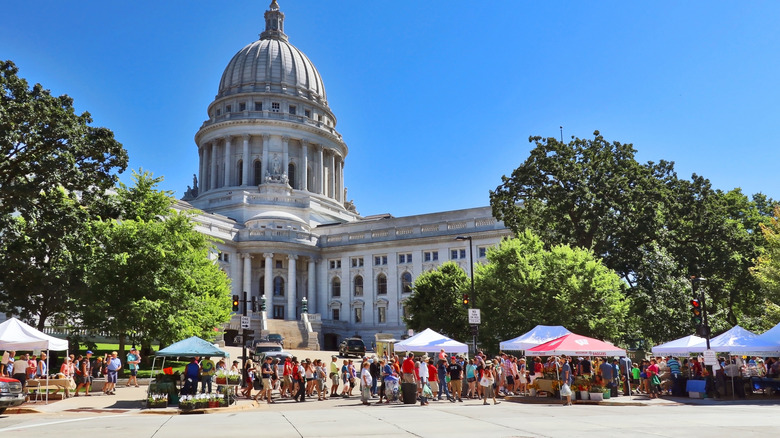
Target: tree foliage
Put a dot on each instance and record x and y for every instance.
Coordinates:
(523, 285)
(436, 302)
(648, 225)
(44, 145)
(53, 165)
(767, 268)
(151, 276)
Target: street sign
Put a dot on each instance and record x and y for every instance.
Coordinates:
(474, 316)
(710, 358)
(244, 322)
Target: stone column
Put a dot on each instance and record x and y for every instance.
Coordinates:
(228, 162)
(321, 178)
(340, 174)
(264, 167)
(291, 289)
(246, 275)
(268, 281)
(286, 157)
(245, 162)
(213, 154)
(201, 185)
(311, 294)
(332, 179)
(305, 166)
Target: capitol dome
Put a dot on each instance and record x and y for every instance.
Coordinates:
(272, 64)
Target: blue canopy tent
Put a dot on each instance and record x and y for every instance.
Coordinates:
(189, 347)
(536, 336)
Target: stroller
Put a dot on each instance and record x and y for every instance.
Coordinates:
(391, 388)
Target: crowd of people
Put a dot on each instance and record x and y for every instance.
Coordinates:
(80, 369)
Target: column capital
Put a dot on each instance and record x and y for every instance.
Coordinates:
(246, 255)
(227, 138)
(268, 255)
(313, 259)
(266, 137)
(292, 257)
(246, 137)
(305, 143)
(285, 139)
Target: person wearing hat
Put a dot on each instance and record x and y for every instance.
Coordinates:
(334, 376)
(133, 361)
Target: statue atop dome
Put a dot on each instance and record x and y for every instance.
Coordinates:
(274, 23)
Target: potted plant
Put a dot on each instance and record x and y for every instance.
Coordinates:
(213, 402)
(233, 378)
(186, 403)
(596, 393)
(532, 388)
(221, 377)
(584, 392)
(157, 401)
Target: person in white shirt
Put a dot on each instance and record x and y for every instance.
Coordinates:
(422, 371)
(365, 383)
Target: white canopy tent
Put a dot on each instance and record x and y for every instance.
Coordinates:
(765, 344)
(536, 336)
(16, 335)
(732, 341)
(678, 346)
(429, 341)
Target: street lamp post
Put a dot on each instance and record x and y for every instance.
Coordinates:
(473, 297)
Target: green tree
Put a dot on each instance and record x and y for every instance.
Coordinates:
(151, 276)
(767, 267)
(53, 166)
(523, 285)
(436, 302)
(44, 145)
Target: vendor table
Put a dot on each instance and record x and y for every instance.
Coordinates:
(545, 385)
(40, 384)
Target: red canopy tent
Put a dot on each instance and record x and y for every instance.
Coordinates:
(575, 345)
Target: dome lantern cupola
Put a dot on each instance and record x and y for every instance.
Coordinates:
(274, 23)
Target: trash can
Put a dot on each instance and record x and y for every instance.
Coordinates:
(409, 391)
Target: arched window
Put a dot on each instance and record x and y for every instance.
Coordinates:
(258, 169)
(291, 175)
(381, 284)
(406, 282)
(278, 287)
(358, 286)
(240, 172)
(336, 287)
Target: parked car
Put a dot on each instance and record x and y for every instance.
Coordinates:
(276, 337)
(262, 348)
(352, 346)
(11, 394)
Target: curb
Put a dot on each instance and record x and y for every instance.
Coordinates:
(24, 410)
(241, 407)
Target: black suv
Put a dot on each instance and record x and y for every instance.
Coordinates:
(352, 346)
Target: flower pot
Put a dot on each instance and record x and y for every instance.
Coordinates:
(606, 394)
(596, 396)
(584, 395)
(234, 381)
(221, 380)
(213, 404)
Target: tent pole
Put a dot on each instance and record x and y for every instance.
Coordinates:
(47, 376)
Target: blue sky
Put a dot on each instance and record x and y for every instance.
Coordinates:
(435, 99)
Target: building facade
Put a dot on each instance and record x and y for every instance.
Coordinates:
(270, 185)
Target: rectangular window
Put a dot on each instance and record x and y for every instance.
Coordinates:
(258, 106)
(404, 258)
(335, 264)
(358, 315)
(278, 312)
(456, 254)
(278, 264)
(463, 253)
(228, 109)
(380, 260)
(431, 256)
(307, 113)
(242, 106)
(335, 314)
(357, 262)
(293, 109)
(275, 107)
(482, 250)
(226, 258)
(219, 112)
(382, 314)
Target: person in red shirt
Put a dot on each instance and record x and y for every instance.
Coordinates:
(408, 369)
(433, 377)
(286, 378)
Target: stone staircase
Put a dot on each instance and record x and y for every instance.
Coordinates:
(295, 334)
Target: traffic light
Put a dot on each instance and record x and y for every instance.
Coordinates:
(235, 303)
(262, 303)
(254, 303)
(466, 300)
(696, 311)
